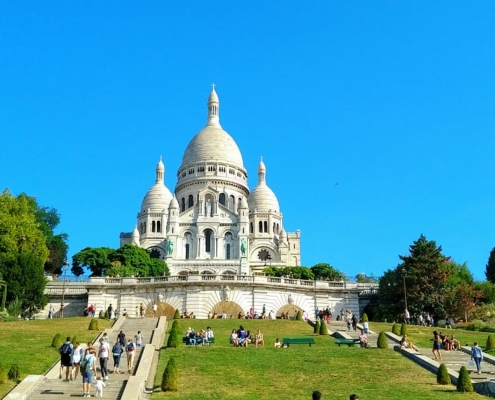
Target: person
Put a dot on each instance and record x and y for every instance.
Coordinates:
(353, 397)
(77, 355)
(437, 344)
(139, 339)
(477, 356)
(137, 311)
(363, 339)
(407, 316)
(99, 385)
(209, 334)
(124, 313)
(406, 344)
(103, 353)
(51, 311)
(366, 327)
(131, 352)
(110, 312)
(277, 343)
(456, 345)
(88, 367)
(259, 339)
(316, 395)
(121, 338)
(117, 351)
(105, 338)
(263, 312)
(155, 309)
(234, 338)
(66, 358)
(141, 310)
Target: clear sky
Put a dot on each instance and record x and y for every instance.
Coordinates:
(375, 119)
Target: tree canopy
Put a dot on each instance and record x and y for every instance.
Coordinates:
(129, 260)
(490, 267)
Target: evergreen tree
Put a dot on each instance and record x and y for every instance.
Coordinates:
(93, 325)
(403, 329)
(170, 378)
(177, 314)
(490, 267)
(174, 338)
(382, 342)
(323, 328)
(490, 342)
(299, 316)
(443, 377)
(464, 381)
(365, 317)
(317, 327)
(57, 341)
(396, 329)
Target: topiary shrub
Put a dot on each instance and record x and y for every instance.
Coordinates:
(177, 314)
(174, 339)
(443, 377)
(317, 327)
(403, 329)
(170, 378)
(396, 329)
(93, 325)
(107, 315)
(365, 317)
(299, 315)
(323, 328)
(74, 339)
(101, 314)
(464, 381)
(3, 375)
(57, 341)
(382, 342)
(490, 342)
(13, 373)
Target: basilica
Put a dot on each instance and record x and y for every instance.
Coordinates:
(213, 223)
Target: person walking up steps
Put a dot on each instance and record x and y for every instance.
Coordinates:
(139, 339)
(117, 351)
(103, 353)
(130, 349)
(477, 356)
(66, 358)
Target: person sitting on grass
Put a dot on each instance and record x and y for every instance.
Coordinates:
(241, 335)
(247, 339)
(277, 343)
(405, 344)
(233, 338)
(259, 339)
(363, 339)
(454, 343)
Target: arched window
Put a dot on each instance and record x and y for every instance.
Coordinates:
(227, 252)
(221, 199)
(183, 204)
(187, 251)
(232, 203)
(275, 228)
(190, 201)
(265, 226)
(152, 226)
(144, 226)
(141, 230)
(251, 227)
(208, 237)
(260, 227)
(158, 226)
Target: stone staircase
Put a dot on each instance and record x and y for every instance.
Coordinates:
(52, 388)
(339, 329)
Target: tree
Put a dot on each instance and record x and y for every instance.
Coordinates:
(170, 378)
(363, 278)
(325, 271)
(26, 281)
(490, 267)
(96, 259)
(460, 300)
(382, 342)
(488, 291)
(3, 287)
(443, 377)
(464, 381)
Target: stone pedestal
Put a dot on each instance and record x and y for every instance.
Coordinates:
(244, 266)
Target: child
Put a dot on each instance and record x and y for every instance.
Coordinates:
(99, 385)
(277, 343)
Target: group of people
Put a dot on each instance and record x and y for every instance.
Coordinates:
(444, 342)
(203, 337)
(242, 338)
(324, 314)
(76, 359)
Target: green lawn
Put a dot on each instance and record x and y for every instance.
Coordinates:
(221, 371)
(28, 343)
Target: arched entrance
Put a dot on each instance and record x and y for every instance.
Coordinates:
(290, 310)
(229, 307)
(164, 310)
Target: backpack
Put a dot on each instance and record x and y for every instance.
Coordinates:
(65, 349)
(130, 347)
(86, 364)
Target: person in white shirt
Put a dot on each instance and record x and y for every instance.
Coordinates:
(139, 339)
(99, 385)
(103, 353)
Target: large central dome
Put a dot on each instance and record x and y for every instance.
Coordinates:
(212, 143)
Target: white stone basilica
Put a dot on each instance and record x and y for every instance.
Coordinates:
(214, 224)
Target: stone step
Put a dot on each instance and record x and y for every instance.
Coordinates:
(58, 389)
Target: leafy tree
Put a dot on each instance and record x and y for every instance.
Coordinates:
(490, 267)
(25, 281)
(325, 271)
(363, 278)
(488, 291)
(290, 272)
(461, 300)
(460, 275)
(443, 377)
(94, 258)
(3, 288)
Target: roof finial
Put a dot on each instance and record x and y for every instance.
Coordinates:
(213, 107)
(213, 86)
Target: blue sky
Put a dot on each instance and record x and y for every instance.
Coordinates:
(375, 119)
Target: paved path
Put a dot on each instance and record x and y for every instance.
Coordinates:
(54, 388)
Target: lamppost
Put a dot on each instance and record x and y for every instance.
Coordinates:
(404, 274)
(65, 267)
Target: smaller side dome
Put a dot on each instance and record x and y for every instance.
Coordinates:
(174, 204)
(283, 235)
(158, 197)
(262, 198)
(135, 236)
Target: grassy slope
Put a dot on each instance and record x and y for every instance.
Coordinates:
(27, 343)
(221, 371)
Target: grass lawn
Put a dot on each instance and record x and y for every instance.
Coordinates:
(221, 371)
(28, 343)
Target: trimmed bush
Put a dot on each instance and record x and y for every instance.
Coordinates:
(74, 339)
(174, 339)
(3, 375)
(323, 328)
(490, 342)
(93, 325)
(317, 327)
(365, 317)
(170, 378)
(14, 374)
(107, 315)
(443, 377)
(464, 381)
(382, 343)
(177, 314)
(299, 316)
(57, 341)
(403, 329)
(101, 315)
(396, 329)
